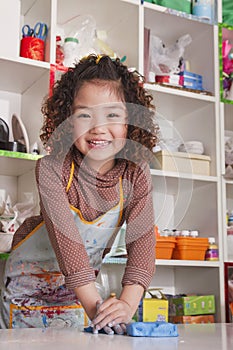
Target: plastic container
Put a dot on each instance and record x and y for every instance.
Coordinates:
(189, 248)
(70, 51)
(33, 48)
(194, 233)
(185, 233)
(164, 247)
(212, 251)
(203, 8)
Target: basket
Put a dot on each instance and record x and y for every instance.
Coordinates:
(5, 242)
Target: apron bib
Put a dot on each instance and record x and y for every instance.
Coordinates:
(34, 293)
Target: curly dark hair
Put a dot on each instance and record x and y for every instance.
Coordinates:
(128, 84)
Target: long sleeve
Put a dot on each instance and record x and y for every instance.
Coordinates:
(63, 232)
(140, 237)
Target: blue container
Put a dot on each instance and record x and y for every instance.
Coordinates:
(203, 9)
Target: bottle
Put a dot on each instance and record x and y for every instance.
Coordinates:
(185, 233)
(70, 51)
(194, 233)
(230, 219)
(212, 251)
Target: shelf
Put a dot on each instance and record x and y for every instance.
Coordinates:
(203, 96)
(24, 73)
(185, 176)
(16, 163)
(175, 13)
(162, 262)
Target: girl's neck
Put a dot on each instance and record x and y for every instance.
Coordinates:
(102, 167)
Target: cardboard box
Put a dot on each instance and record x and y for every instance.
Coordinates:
(182, 162)
(192, 305)
(154, 308)
(192, 319)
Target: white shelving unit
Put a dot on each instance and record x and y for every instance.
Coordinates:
(180, 200)
(226, 113)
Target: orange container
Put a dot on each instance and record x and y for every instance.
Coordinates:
(192, 241)
(190, 248)
(164, 247)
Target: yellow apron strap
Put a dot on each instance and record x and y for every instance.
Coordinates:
(71, 177)
(121, 201)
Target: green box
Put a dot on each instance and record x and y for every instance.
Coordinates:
(179, 5)
(192, 305)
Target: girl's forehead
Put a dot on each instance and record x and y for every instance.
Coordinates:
(92, 94)
(113, 89)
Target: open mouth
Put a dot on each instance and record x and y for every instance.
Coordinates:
(98, 143)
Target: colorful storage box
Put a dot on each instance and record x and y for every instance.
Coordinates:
(182, 162)
(173, 79)
(192, 305)
(188, 248)
(192, 80)
(192, 319)
(164, 247)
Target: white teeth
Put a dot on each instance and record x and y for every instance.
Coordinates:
(100, 142)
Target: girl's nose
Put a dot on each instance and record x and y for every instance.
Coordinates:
(98, 125)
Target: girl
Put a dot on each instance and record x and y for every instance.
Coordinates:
(99, 129)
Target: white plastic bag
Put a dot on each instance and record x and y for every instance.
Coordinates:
(165, 60)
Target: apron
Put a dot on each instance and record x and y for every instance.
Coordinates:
(34, 293)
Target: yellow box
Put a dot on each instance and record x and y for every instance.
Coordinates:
(154, 310)
(182, 162)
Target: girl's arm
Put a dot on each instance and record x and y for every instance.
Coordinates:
(88, 296)
(140, 243)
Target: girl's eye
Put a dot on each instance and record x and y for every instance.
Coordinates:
(113, 115)
(83, 116)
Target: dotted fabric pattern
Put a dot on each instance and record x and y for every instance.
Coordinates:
(94, 194)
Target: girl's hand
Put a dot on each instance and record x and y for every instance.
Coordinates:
(112, 313)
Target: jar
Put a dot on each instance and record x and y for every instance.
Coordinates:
(185, 233)
(194, 233)
(70, 51)
(212, 251)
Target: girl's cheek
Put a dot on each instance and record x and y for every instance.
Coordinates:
(80, 130)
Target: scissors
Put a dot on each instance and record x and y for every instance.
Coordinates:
(27, 31)
(40, 30)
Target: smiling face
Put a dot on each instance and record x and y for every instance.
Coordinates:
(100, 124)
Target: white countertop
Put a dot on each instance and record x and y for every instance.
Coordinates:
(191, 337)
